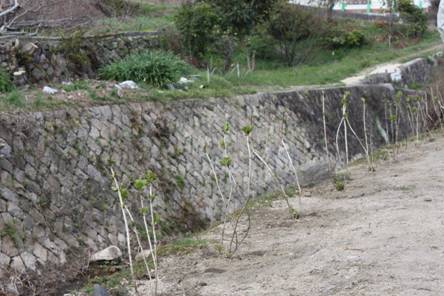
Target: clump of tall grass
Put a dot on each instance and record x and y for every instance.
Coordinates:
(156, 68)
(6, 84)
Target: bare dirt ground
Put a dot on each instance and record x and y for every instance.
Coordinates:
(58, 12)
(383, 235)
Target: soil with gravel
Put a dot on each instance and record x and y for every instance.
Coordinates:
(382, 235)
(58, 12)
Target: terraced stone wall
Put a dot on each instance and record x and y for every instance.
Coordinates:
(56, 198)
(42, 60)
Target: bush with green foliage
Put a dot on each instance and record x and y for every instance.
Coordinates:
(219, 26)
(260, 42)
(288, 25)
(198, 25)
(240, 17)
(351, 39)
(5, 82)
(156, 68)
(414, 17)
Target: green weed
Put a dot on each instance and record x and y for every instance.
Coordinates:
(156, 68)
(5, 82)
(15, 99)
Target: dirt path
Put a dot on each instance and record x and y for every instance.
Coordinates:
(383, 235)
(392, 66)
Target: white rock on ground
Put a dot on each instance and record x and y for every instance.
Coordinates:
(49, 90)
(109, 254)
(20, 72)
(184, 80)
(129, 84)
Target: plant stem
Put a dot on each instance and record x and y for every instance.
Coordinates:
(153, 225)
(292, 211)
(125, 220)
(325, 131)
(139, 242)
(295, 172)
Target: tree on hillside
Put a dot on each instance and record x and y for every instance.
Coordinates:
(239, 17)
(220, 25)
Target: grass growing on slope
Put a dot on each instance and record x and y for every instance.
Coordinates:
(148, 17)
(331, 67)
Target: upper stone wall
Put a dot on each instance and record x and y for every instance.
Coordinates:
(39, 60)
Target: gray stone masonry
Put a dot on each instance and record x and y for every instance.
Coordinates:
(40, 60)
(56, 196)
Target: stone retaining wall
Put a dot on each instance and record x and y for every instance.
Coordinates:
(56, 199)
(417, 71)
(40, 60)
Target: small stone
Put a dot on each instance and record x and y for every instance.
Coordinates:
(49, 90)
(5, 149)
(4, 260)
(109, 254)
(8, 194)
(427, 199)
(29, 260)
(20, 72)
(8, 247)
(171, 86)
(129, 84)
(99, 291)
(184, 80)
(143, 254)
(40, 252)
(17, 264)
(29, 48)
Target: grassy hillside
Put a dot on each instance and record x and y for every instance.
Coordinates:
(315, 63)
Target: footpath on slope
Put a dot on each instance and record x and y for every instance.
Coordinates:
(382, 235)
(391, 67)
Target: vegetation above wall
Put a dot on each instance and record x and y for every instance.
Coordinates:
(282, 46)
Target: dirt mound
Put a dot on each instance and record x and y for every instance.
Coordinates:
(58, 12)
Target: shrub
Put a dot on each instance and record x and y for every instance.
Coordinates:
(289, 25)
(351, 39)
(414, 17)
(339, 181)
(156, 68)
(170, 40)
(240, 17)
(197, 24)
(259, 42)
(5, 82)
(72, 47)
